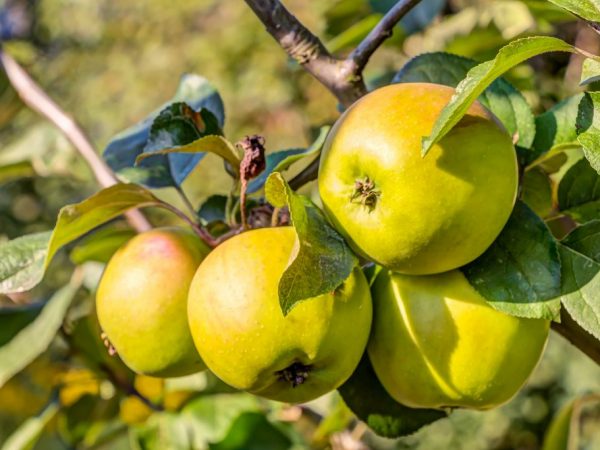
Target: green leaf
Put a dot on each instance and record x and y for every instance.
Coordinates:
(558, 125)
(14, 171)
(24, 260)
(101, 245)
(586, 9)
(215, 144)
(252, 431)
(177, 125)
(519, 274)
(26, 436)
(209, 418)
(163, 431)
(590, 71)
(121, 152)
(571, 124)
(579, 192)
(367, 398)
(213, 209)
(500, 97)
(323, 261)
(35, 338)
(536, 191)
(580, 255)
(282, 160)
(481, 76)
(590, 141)
(15, 318)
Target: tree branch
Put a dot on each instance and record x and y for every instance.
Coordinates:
(35, 98)
(343, 77)
(571, 331)
(304, 47)
(382, 31)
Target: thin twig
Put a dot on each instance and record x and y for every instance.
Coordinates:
(382, 31)
(129, 388)
(186, 201)
(343, 77)
(198, 229)
(35, 98)
(307, 175)
(571, 331)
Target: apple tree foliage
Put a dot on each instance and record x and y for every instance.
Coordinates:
(545, 263)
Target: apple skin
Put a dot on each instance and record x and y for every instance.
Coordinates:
(142, 302)
(431, 214)
(245, 340)
(436, 343)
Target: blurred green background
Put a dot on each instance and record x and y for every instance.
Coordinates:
(110, 63)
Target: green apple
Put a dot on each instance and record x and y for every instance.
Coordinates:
(244, 338)
(412, 214)
(436, 343)
(142, 302)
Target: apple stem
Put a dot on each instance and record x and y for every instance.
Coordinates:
(365, 193)
(296, 374)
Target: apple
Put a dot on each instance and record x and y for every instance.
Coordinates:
(436, 343)
(414, 214)
(244, 338)
(142, 302)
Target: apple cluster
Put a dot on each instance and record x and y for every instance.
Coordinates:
(171, 307)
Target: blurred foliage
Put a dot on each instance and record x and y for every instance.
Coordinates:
(110, 64)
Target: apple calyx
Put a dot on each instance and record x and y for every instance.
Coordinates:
(365, 193)
(295, 374)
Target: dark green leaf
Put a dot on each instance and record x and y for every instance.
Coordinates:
(282, 160)
(481, 76)
(24, 260)
(519, 273)
(366, 397)
(35, 338)
(580, 254)
(26, 436)
(571, 124)
(506, 102)
(121, 152)
(323, 260)
(14, 319)
(579, 192)
(536, 191)
(586, 9)
(215, 144)
(557, 126)
(213, 209)
(176, 126)
(588, 128)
